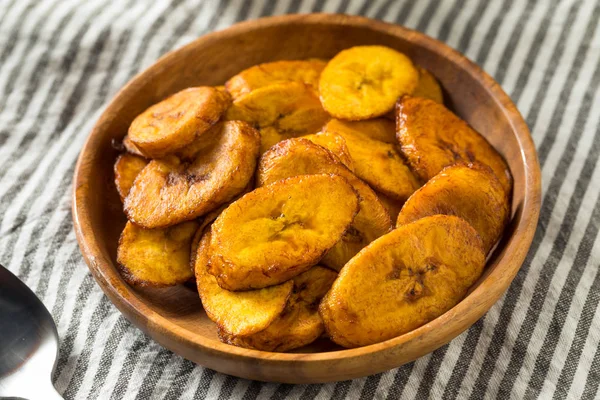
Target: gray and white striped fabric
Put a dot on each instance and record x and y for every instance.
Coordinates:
(62, 60)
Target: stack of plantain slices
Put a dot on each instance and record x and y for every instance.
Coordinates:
(310, 198)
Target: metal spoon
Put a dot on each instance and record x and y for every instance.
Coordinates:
(28, 342)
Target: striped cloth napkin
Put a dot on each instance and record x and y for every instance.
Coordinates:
(62, 60)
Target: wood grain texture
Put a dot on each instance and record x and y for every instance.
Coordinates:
(174, 316)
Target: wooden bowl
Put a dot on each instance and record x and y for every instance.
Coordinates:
(174, 317)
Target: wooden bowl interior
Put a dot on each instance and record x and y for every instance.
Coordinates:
(217, 57)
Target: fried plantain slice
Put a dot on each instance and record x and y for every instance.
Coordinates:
(156, 257)
(334, 143)
(239, 313)
(299, 156)
(170, 191)
(299, 324)
(364, 82)
(471, 192)
(392, 206)
(177, 121)
(432, 138)
(126, 168)
(280, 230)
(376, 158)
(403, 280)
(428, 87)
(258, 76)
(280, 111)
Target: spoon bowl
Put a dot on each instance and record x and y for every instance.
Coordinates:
(28, 342)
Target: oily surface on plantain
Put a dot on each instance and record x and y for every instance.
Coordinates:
(177, 121)
(471, 192)
(403, 280)
(299, 156)
(303, 71)
(126, 168)
(280, 230)
(238, 313)
(432, 137)
(156, 257)
(280, 111)
(364, 82)
(169, 191)
(373, 149)
(300, 323)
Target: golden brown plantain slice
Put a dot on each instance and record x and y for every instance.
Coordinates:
(156, 257)
(403, 280)
(239, 313)
(279, 231)
(471, 192)
(177, 121)
(280, 111)
(299, 156)
(170, 191)
(127, 167)
(334, 143)
(376, 158)
(299, 324)
(428, 87)
(432, 138)
(392, 206)
(364, 82)
(303, 71)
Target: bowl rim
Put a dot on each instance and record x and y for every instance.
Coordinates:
(512, 258)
